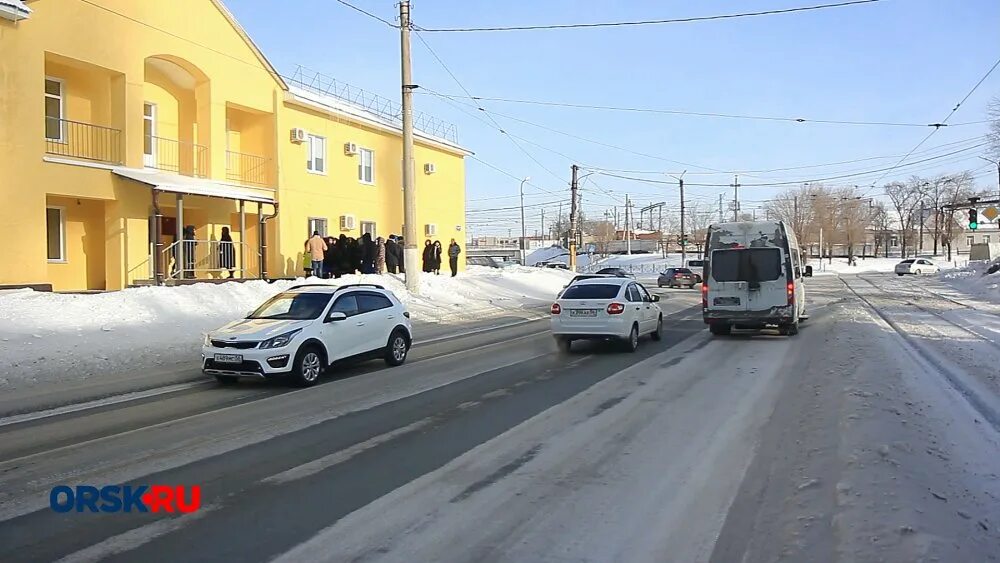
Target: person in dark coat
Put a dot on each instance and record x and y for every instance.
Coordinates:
(189, 247)
(437, 257)
(367, 254)
(400, 254)
(428, 256)
(330, 258)
(355, 265)
(453, 251)
(391, 259)
(343, 255)
(227, 254)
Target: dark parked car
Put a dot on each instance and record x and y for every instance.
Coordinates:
(617, 272)
(677, 277)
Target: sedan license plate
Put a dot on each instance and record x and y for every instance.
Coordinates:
(229, 358)
(583, 312)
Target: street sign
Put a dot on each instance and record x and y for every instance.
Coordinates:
(991, 213)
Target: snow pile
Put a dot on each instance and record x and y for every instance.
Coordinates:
(840, 266)
(974, 281)
(57, 336)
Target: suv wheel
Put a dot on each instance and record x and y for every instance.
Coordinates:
(658, 333)
(396, 349)
(308, 366)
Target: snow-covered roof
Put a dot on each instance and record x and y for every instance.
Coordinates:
(14, 10)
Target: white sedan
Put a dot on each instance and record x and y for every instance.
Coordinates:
(606, 309)
(916, 266)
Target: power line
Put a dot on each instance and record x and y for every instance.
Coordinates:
(943, 121)
(704, 114)
(645, 22)
(805, 181)
(482, 109)
(369, 14)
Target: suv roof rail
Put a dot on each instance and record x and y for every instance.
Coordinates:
(336, 287)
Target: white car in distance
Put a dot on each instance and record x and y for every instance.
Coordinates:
(606, 308)
(916, 266)
(299, 332)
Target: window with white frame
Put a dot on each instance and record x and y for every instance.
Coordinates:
(54, 106)
(317, 155)
(317, 224)
(366, 166)
(986, 239)
(55, 233)
(969, 240)
(368, 227)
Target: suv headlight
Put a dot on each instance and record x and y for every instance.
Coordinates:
(279, 341)
(208, 340)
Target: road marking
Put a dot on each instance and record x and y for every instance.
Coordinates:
(134, 538)
(97, 403)
(328, 461)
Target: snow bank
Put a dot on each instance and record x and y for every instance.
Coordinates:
(840, 266)
(974, 281)
(50, 335)
(555, 254)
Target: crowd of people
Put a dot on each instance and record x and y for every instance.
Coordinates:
(330, 257)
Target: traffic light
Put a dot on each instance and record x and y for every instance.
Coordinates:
(973, 220)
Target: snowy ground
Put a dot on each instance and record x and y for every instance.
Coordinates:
(974, 281)
(49, 336)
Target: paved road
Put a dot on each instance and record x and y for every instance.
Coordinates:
(494, 447)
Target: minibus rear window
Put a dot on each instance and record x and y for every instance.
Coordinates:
(746, 264)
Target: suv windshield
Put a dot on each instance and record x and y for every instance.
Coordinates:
(293, 306)
(592, 291)
(746, 264)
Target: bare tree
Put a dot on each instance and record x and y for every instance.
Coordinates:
(905, 198)
(854, 216)
(881, 222)
(785, 207)
(955, 190)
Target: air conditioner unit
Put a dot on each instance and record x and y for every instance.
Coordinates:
(350, 149)
(298, 135)
(430, 229)
(347, 222)
(429, 168)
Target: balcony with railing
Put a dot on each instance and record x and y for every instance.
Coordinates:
(249, 169)
(87, 141)
(180, 157)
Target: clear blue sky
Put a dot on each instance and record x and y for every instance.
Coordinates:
(895, 60)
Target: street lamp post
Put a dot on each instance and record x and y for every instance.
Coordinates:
(523, 257)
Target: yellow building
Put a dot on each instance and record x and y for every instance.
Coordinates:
(122, 122)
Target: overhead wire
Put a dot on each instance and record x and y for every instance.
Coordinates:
(647, 22)
(369, 14)
(704, 114)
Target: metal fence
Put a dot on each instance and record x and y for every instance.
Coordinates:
(246, 168)
(191, 259)
(83, 140)
(171, 155)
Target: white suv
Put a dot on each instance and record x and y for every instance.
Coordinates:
(606, 308)
(300, 332)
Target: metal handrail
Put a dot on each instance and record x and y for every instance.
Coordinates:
(246, 168)
(205, 257)
(182, 157)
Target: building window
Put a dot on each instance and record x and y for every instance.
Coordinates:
(317, 225)
(366, 166)
(986, 239)
(969, 240)
(55, 233)
(148, 134)
(317, 155)
(368, 227)
(54, 106)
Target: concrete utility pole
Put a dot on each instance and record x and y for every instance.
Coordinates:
(411, 256)
(523, 235)
(544, 236)
(628, 226)
(920, 243)
(573, 187)
(736, 198)
(722, 216)
(680, 182)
